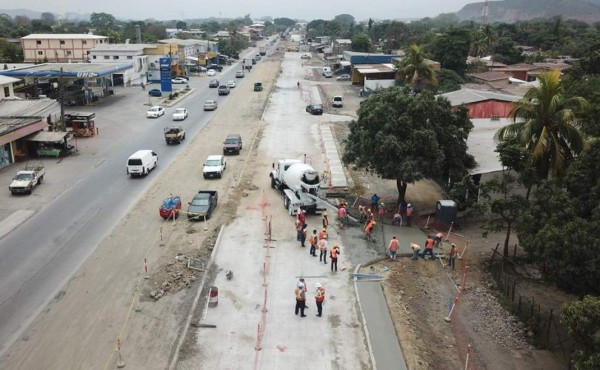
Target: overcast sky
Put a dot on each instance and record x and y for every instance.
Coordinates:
(295, 9)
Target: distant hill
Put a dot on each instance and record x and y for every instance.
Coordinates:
(32, 14)
(510, 11)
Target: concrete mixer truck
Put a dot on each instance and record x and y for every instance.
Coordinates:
(299, 183)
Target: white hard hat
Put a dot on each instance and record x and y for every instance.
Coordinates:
(300, 285)
(318, 285)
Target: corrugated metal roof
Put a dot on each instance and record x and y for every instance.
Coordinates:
(30, 108)
(7, 80)
(49, 137)
(467, 96)
(62, 36)
(70, 70)
(122, 47)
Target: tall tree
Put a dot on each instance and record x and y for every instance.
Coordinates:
(361, 42)
(582, 319)
(407, 138)
(102, 20)
(451, 50)
(547, 124)
(415, 68)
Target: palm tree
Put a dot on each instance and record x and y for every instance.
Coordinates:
(415, 68)
(548, 125)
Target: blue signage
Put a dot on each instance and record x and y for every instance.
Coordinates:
(165, 74)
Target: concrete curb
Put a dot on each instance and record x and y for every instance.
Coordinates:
(173, 363)
(364, 321)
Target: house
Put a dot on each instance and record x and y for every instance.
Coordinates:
(221, 35)
(6, 87)
(487, 61)
(482, 104)
(124, 53)
(341, 45)
(59, 47)
(374, 76)
(182, 50)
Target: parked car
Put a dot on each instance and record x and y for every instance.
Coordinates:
(223, 90)
(202, 205)
(327, 74)
(214, 166)
(180, 114)
(179, 80)
(27, 178)
(305, 56)
(239, 74)
(210, 105)
(315, 109)
(344, 77)
(141, 162)
(337, 102)
(170, 207)
(216, 67)
(257, 57)
(231, 84)
(196, 69)
(213, 83)
(155, 112)
(211, 72)
(232, 144)
(155, 92)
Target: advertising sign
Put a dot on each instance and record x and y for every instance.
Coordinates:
(165, 74)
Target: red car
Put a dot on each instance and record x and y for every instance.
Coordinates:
(170, 207)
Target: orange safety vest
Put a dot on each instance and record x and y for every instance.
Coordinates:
(322, 234)
(334, 253)
(394, 245)
(429, 243)
(409, 211)
(299, 295)
(313, 240)
(320, 297)
(323, 244)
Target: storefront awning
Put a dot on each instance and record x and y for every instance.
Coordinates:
(49, 137)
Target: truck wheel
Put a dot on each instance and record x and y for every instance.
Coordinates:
(40, 180)
(272, 182)
(286, 202)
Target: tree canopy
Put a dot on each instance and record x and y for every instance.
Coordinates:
(582, 319)
(407, 138)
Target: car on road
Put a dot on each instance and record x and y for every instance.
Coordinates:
(239, 74)
(197, 69)
(174, 134)
(180, 114)
(211, 72)
(232, 144)
(214, 166)
(155, 112)
(202, 205)
(223, 90)
(141, 162)
(315, 109)
(337, 102)
(210, 105)
(305, 56)
(231, 84)
(344, 77)
(179, 80)
(257, 57)
(216, 67)
(213, 83)
(155, 92)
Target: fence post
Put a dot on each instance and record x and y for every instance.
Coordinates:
(549, 327)
(512, 296)
(515, 251)
(494, 254)
(519, 306)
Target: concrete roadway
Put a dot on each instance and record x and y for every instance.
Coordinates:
(39, 256)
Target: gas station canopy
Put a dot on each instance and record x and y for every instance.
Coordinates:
(69, 70)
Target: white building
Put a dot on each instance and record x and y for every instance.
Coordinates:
(6, 86)
(124, 53)
(59, 48)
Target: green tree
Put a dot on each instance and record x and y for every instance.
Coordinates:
(361, 42)
(505, 51)
(407, 138)
(344, 19)
(10, 53)
(286, 22)
(448, 81)
(547, 125)
(415, 69)
(582, 319)
(102, 20)
(181, 25)
(396, 36)
(451, 50)
(48, 18)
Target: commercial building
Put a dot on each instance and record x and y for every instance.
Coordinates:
(59, 48)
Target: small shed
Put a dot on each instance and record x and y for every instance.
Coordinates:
(445, 213)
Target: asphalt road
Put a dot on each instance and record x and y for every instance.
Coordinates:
(39, 257)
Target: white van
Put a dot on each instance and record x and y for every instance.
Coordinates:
(141, 162)
(326, 70)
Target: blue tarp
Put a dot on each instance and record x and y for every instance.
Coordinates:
(170, 203)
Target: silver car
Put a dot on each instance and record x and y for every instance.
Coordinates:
(210, 105)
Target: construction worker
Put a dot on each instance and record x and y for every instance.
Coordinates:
(298, 230)
(301, 281)
(409, 214)
(370, 216)
(343, 215)
(322, 234)
(374, 202)
(335, 252)
(452, 256)
(300, 299)
(437, 239)
(303, 235)
(363, 214)
(428, 248)
(397, 219)
(323, 250)
(325, 220)
(393, 247)
(319, 298)
(313, 243)
(380, 212)
(369, 230)
(415, 248)
(302, 216)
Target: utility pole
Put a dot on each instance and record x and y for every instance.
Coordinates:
(61, 97)
(484, 14)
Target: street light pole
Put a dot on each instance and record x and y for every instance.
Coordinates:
(62, 101)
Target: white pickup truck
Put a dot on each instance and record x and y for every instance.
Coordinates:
(27, 178)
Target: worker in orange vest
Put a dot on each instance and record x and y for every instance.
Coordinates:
(437, 238)
(313, 243)
(323, 249)
(322, 234)
(343, 215)
(428, 248)
(409, 214)
(452, 256)
(335, 252)
(319, 298)
(325, 220)
(300, 299)
(369, 229)
(393, 247)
